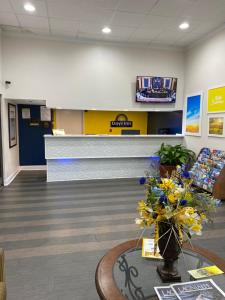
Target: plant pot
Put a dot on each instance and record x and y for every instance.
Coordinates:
(169, 249)
(166, 170)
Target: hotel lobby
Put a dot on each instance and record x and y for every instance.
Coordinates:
(111, 125)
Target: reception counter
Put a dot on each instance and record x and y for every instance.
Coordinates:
(83, 157)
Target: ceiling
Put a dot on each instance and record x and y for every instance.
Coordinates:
(149, 22)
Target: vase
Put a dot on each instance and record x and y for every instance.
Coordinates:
(166, 170)
(169, 249)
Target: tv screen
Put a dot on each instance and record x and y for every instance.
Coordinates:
(153, 89)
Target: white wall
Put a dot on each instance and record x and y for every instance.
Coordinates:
(1, 85)
(205, 68)
(84, 75)
(10, 155)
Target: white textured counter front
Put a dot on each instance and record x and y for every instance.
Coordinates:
(93, 157)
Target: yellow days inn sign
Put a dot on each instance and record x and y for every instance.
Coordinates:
(216, 100)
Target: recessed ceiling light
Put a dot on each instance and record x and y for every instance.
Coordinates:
(29, 7)
(184, 26)
(106, 30)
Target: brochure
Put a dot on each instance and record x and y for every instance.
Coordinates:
(148, 249)
(205, 272)
(198, 290)
(165, 293)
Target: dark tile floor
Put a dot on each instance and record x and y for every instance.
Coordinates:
(54, 234)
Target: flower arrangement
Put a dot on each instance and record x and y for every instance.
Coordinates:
(174, 202)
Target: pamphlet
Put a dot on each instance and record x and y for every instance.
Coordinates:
(205, 272)
(58, 131)
(198, 290)
(193, 290)
(165, 293)
(148, 249)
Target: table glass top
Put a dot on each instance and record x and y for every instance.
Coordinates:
(136, 276)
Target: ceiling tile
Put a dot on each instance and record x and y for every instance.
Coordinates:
(33, 22)
(39, 5)
(60, 26)
(146, 33)
(206, 10)
(188, 39)
(122, 31)
(127, 19)
(134, 6)
(95, 4)
(207, 27)
(74, 10)
(170, 8)
(117, 31)
(96, 15)
(8, 19)
(169, 37)
(5, 6)
(140, 21)
(64, 9)
(89, 27)
(89, 36)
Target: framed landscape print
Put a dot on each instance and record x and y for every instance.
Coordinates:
(216, 99)
(216, 126)
(12, 125)
(193, 114)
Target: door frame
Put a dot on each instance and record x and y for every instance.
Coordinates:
(1, 146)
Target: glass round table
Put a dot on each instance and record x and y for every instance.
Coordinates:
(124, 274)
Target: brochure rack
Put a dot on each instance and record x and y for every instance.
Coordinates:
(208, 172)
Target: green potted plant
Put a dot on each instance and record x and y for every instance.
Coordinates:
(171, 156)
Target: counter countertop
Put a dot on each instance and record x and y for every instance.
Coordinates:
(115, 136)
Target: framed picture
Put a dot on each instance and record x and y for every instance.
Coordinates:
(12, 125)
(193, 114)
(216, 99)
(216, 126)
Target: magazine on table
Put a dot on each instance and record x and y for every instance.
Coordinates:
(148, 249)
(205, 272)
(192, 290)
(165, 293)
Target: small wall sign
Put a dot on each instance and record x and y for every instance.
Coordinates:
(121, 121)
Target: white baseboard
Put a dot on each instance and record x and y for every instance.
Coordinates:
(33, 168)
(10, 178)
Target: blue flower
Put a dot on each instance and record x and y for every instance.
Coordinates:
(142, 180)
(163, 199)
(218, 203)
(186, 174)
(183, 202)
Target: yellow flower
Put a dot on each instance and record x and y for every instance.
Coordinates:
(189, 210)
(167, 184)
(144, 214)
(172, 198)
(190, 221)
(149, 221)
(142, 205)
(180, 217)
(188, 196)
(202, 216)
(196, 227)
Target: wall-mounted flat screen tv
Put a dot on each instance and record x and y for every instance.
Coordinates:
(154, 89)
